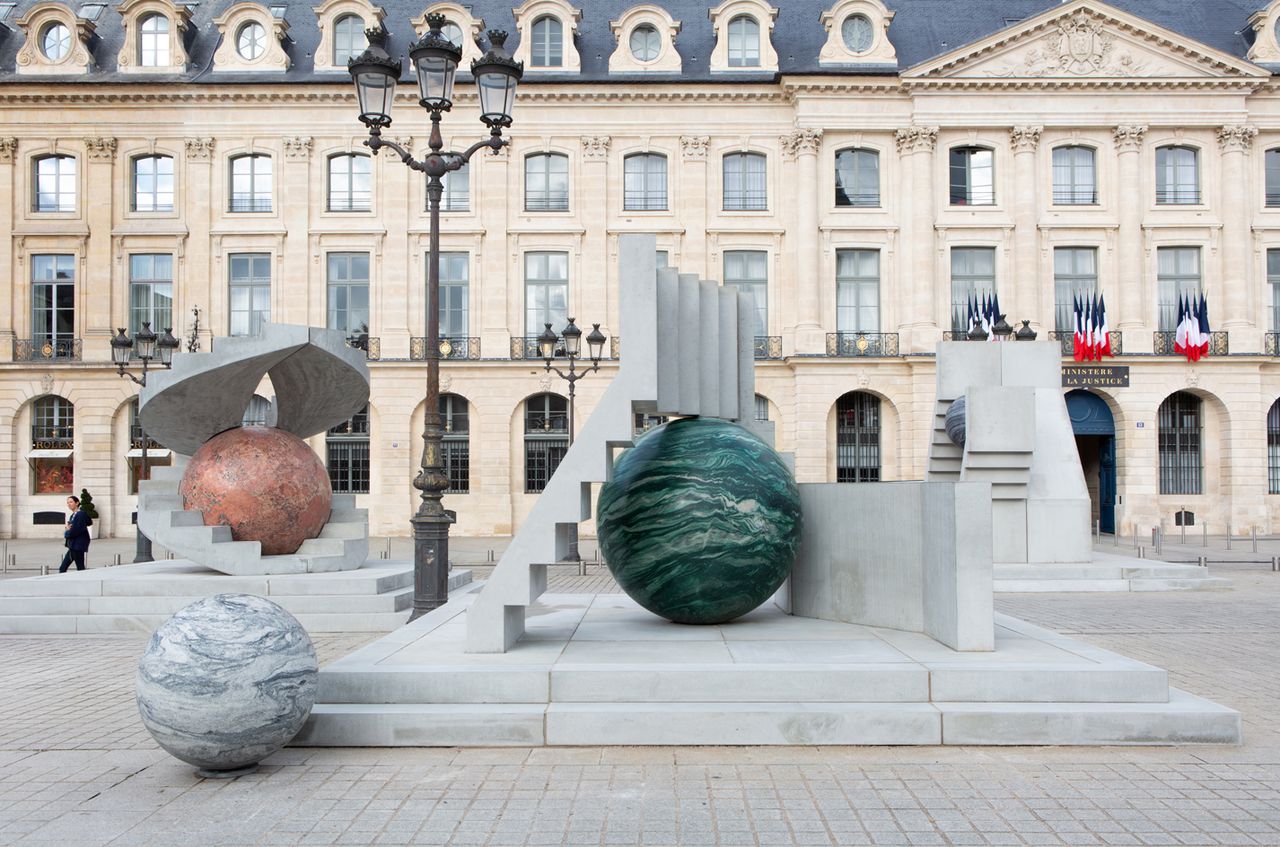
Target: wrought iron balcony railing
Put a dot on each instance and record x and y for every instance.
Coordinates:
(46, 349)
(1271, 344)
(1066, 338)
(1162, 344)
(768, 346)
(955, 335)
(871, 344)
(451, 347)
(526, 347)
(370, 344)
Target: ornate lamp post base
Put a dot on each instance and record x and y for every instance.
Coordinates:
(430, 563)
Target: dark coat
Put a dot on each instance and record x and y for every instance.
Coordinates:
(78, 534)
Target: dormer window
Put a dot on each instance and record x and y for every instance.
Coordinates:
(744, 42)
(453, 32)
(645, 43)
(348, 39)
(857, 33)
(251, 41)
(153, 41)
(548, 43)
(342, 24)
(645, 37)
(55, 42)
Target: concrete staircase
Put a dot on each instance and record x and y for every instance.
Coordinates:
(343, 543)
(945, 458)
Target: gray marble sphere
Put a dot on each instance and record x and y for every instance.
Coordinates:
(955, 422)
(227, 681)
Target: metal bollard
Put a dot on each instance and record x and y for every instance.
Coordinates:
(1203, 562)
(1115, 536)
(44, 570)
(1204, 532)
(117, 563)
(1182, 532)
(4, 555)
(1228, 536)
(1160, 542)
(1135, 536)
(1275, 564)
(1141, 552)
(1253, 536)
(1097, 530)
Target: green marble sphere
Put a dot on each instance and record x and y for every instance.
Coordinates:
(701, 521)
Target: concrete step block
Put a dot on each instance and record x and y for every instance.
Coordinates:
(321, 547)
(157, 486)
(1034, 586)
(639, 683)
(998, 459)
(22, 606)
(370, 622)
(186, 517)
(86, 583)
(360, 516)
(160, 503)
(1134, 682)
(299, 605)
(344, 529)
(37, 625)
(416, 725)
(204, 585)
(592, 724)
(1184, 719)
(168, 473)
(436, 684)
(345, 502)
(1202, 584)
(376, 577)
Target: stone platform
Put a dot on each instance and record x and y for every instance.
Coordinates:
(138, 598)
(1106, 572)
(599, 670)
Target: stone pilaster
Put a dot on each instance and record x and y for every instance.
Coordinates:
(8, 151)
(1023, 292)
(916, 145)
(298, 264)
(695, 188)
(100, 309)
(802, 146)
(1131, 276)
(493, 180)
(201, 208)
(589, 294)
(1238, 292)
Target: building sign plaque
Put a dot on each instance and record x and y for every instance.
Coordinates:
(1095, 376)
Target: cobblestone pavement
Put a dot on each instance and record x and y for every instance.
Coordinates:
(77, 769)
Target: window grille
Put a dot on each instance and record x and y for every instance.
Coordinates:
(1179, 444)
(456, 442)
(858, 438)
(546, 439)
(347, 445)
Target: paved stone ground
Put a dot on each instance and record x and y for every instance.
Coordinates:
(77, 769)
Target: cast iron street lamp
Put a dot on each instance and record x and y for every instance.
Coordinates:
(435, 60)
(147, 347)
(548, 341)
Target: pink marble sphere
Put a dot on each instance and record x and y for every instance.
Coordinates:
(264, 483)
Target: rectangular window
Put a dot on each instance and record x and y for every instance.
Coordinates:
(744, 182)
(664, 259)
(350, 184)
(1273, 282)
(546, 183)
(349, 293)
(546, 291)
(857, 290)
(857, 178)
(744, 42)
(1177, 176)
(251, 184)
(1177, 276)
(55, 179)
(1181, 462)
(455, 446)
(972, 176)
(153, 184)
(347, 448)
(1075, 274)
(1074, 179)
(53, 301)
(457, 191)
(1273, 177)
(150, 291)
(748, 271)
(644, 183)
(454, 272)
(973, 274)
(1273, 449)
(250, 292)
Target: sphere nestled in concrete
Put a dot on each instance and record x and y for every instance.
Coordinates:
(264, 483)
(226, 682)
(954, 422)
(701, 521)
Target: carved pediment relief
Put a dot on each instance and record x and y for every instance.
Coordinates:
(1086, 40)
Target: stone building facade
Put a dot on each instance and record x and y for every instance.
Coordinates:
(840, 162)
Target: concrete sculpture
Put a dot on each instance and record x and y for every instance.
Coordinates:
(231, 514)
(700, 522)
(228, 681)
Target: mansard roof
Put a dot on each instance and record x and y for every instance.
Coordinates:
(921, 31)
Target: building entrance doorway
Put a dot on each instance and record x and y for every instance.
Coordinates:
(1095, 432)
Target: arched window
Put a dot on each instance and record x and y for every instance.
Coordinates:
(157, 455)
(644, 182)
(1177, 175)
(251, 183)
(548, 43)
(1273, 176)
(1273, 449)
(153, 42)
(52, 443)
(55, 184)
(1075, 177)
(347, 445)
(453, 33)
(546, 182)
(744, 42)
(858, 437)
(744, 182)
(762, 407)
(546, 438)
(348, 39)
(857, 177)
(350, 188)
(153, 184)
(1180, 431)
(972, 176)
(456, 442)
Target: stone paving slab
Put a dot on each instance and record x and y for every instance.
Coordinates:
(77, 769)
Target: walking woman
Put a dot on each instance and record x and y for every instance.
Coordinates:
(77, 535)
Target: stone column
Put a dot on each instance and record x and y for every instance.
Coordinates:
(294, 289)
(95, 286)
(1024, 291)
(1130, 271)
(916, 145)
(803, 146)
(8, 149)
(1237, 292)
(588, 294)
(199, 211)
(695, 188)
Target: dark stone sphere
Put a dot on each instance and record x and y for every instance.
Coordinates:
(954, 422)
(701, 521)
(264, 483)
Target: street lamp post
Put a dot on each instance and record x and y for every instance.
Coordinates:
(147, 347)
(548, 341)
(375, 73)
